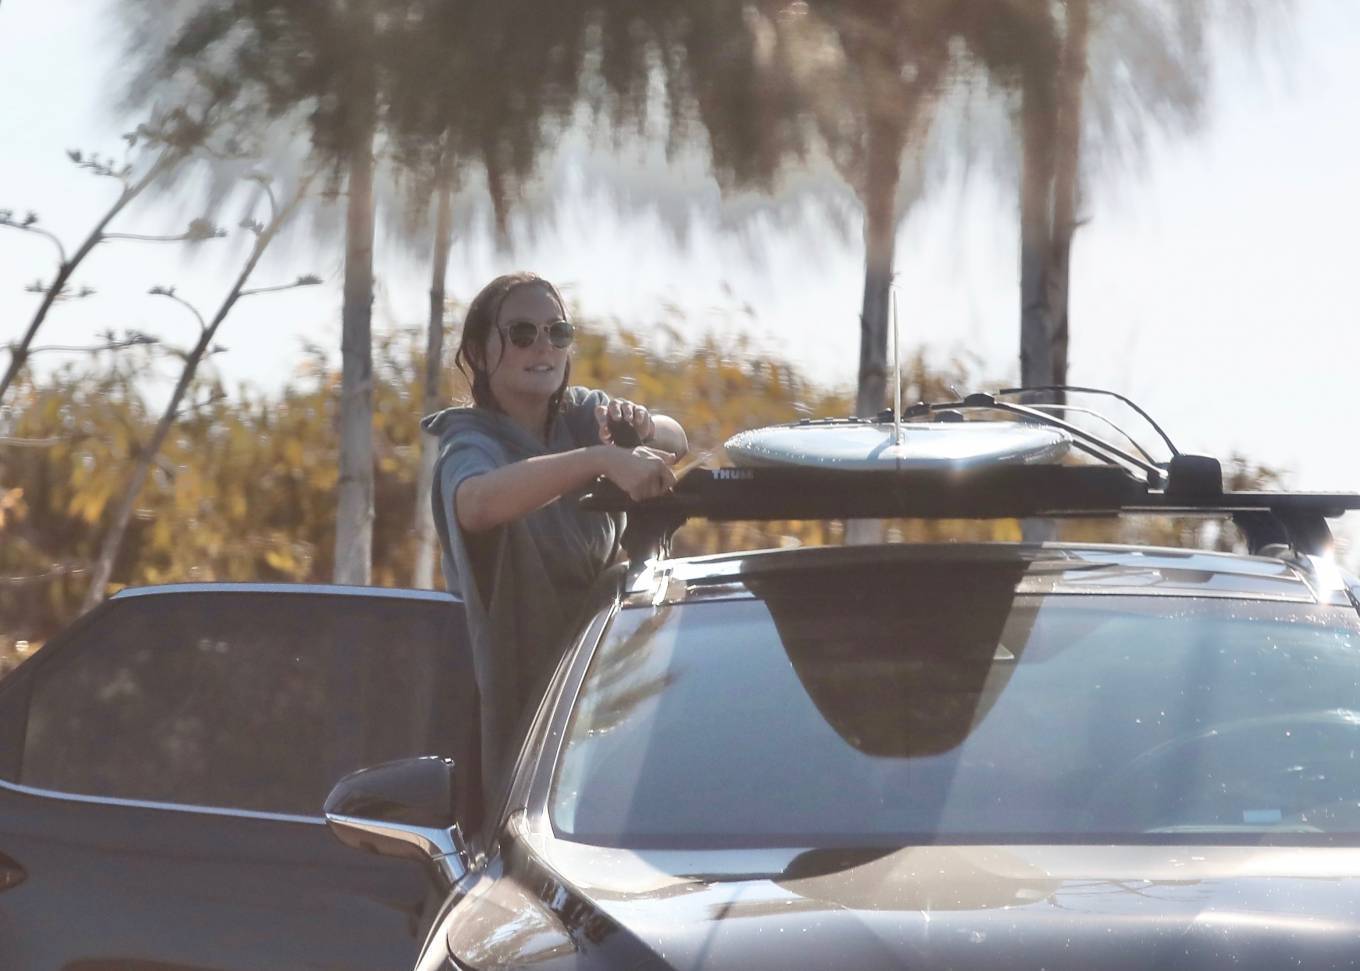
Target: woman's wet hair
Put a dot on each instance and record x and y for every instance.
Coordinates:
(482, 315)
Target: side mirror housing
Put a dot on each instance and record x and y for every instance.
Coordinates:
(404, 809)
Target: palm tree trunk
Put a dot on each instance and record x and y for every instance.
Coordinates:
(880, 241)
(1066, 180)
(1036, 229)
(426, 541)
(1037, 125)
(354, 505)
(883, 173)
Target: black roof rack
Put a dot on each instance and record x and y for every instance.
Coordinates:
(1126, 484)
(997, 492)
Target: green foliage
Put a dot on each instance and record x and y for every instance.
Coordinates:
(244, 487)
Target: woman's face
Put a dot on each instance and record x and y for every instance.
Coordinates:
(535, 371)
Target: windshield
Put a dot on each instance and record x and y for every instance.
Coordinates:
(942, 707)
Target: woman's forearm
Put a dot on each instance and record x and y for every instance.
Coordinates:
(488, 500)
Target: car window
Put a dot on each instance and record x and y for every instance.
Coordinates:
(246, 701)
(938, 707)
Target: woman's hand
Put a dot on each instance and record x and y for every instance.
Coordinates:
(631, 413)
(642, 472)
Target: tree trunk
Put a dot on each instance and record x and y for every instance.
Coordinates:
(427, 544)
(880, 240)
(1066, 181)
(102, 569)
(1037, 126)
(883, 173)
(1036, 230)
(354, 502)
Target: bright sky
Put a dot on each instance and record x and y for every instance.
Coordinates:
(1217, 285)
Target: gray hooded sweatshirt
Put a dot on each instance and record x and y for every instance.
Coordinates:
(524, 583)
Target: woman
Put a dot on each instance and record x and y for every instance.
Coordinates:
(516, 545)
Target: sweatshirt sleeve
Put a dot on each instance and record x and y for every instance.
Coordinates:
(462, 457)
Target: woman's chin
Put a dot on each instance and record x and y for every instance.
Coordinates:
(537, 385)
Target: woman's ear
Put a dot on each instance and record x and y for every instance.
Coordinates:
(480, 354)
(490, 358)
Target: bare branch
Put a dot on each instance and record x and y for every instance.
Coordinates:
(113, 538)
(132, 340)
(200, 230)
(310, 280)
(100, 166)
(48, 442)
(200, 406)
(170, 292)
(175, 151)
(70, 568)
(29, 224)
(30, 227)
(265, 183)
(37, 286)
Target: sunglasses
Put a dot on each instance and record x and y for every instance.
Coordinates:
(523, 333)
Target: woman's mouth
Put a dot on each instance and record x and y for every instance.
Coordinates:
(541, 368)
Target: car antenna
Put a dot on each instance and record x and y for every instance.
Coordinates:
(897, 366)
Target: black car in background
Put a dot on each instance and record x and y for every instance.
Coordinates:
(927, 756)
(163, 764)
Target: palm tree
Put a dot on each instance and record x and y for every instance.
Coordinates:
(274, 59)
(871, 74)
(476, 88)
(1090, 79)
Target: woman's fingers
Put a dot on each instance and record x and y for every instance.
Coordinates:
(667, 457)
(628, 412)
(602, 419)
(664, 479)
(621, 409)
(645, 473)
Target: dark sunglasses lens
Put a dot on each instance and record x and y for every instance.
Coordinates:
(522, 333)
(561, 334)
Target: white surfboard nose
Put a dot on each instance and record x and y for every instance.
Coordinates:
(864, 445)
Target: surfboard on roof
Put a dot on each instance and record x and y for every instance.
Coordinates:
(861, 445)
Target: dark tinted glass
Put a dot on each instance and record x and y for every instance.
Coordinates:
(938, 706)
(245, 701)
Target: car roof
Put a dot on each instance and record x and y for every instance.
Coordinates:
(326, 589)
(1049, 568)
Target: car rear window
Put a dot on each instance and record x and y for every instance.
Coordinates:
(936, 705)
(244, 700)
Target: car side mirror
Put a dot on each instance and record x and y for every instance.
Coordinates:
(404, 809)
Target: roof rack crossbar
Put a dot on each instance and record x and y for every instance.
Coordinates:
(1008, 491)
